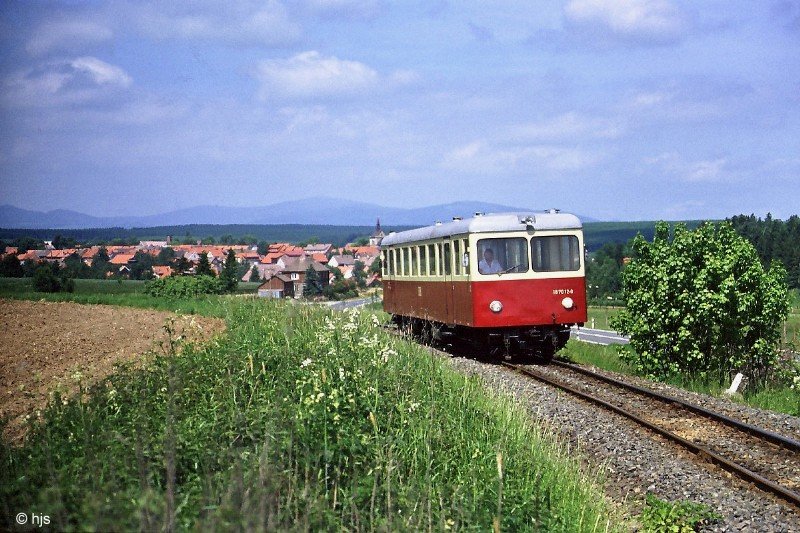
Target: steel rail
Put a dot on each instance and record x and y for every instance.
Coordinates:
(744, 473)
(774, 438)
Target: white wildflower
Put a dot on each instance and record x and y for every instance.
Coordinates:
(386, 353)
(305, 362)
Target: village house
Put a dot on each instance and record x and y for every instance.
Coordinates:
(162, 271)
(295, 269)
(277, 286)
(319, 248)
(341, 260)
(377, 235)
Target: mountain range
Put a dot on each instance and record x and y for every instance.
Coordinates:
(318, 210)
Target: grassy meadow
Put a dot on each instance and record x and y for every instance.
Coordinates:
(296, 418)
(129, 293)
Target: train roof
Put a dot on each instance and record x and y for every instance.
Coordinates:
(489, 223)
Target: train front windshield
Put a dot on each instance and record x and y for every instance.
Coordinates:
(497, 256)
(559, 253)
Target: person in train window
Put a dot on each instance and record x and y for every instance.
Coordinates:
(488, 265)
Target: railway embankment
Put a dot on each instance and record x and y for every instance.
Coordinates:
(295, 417)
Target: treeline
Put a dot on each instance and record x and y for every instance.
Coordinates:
(597, 234)
(191, 233)
(773, 239)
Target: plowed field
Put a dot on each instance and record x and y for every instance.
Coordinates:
(44, 346)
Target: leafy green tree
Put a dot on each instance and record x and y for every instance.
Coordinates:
(376, 266)
(313, 285)
(604, 269)
(48, 277)
(254, 274)
(701, 304)
(74, 267)
(100, 264)
(23, 244)
(142, 266)
(60, 242)
(204, 266)
(10, 267)
(230, 272)
(165, 256)
(359, 274)
(181, 266)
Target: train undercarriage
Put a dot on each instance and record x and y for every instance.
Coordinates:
(537, 343)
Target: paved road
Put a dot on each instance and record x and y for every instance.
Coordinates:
(598, 336)
(347, 304)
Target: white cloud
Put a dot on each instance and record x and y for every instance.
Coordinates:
(640, 21)
(650, 99)
(57, 82)
(101, 72)
(310, 74)
(346, 9)
(66, 34)
(480, 157)
(568, 126)
(672, 165)
(266, 23)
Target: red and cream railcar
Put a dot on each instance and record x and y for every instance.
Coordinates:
(512, 282)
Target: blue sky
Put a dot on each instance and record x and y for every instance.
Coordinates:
(616, 109)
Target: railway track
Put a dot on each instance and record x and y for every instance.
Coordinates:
(763, 458)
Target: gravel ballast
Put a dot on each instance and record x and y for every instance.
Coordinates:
(635, 462)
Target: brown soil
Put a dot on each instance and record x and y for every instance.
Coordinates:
(46, 346)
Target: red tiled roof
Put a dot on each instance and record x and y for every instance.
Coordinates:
(121, 259)
(162, 271)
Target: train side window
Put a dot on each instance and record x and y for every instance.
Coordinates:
(558, 253)
(431, 260)
(465, 260)
(457, 254)
(384, 268)
(405, 261)
(448, 269)
(423, 260)
(393, 261)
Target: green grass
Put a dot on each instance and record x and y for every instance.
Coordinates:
(682, 516)
(605, 357)
(298, 418)
(128, 293)
(779, 398)
(601, 316)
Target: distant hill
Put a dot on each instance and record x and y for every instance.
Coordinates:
(319, 210)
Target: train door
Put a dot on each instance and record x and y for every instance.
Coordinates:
(447, 257)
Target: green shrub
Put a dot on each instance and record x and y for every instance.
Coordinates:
(185, 286)
(701, 304)
(49, 278)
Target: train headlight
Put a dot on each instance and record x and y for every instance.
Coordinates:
(496, 306)
(567, 303)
